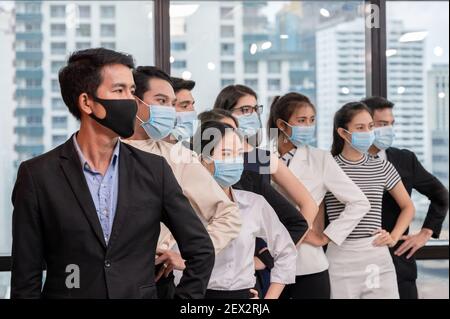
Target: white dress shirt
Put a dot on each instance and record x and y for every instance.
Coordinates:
(320, 173)
(234, 267)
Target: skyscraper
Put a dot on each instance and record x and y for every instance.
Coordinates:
(438, 110)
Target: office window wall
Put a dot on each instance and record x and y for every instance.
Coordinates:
(36, 37)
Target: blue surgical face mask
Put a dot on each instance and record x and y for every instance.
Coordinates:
(161, 121)
(228, 172)
(384, 137)
(249, 124)
(301, 135)
(185, 125)
(362, 141)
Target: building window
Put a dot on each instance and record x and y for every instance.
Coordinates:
(251, 67)
(58, 103)
(108, 45)
(59, 122)
(58, 11)
(58, 139)
(227, 49)
(33, 83)
(179, 64)
(227, 31)
(227, 66)
(252, 83)
(57, 65)
(84, 11)
(107, 12)
(274, 84)
(84, 30)
(227, 82)
(58, 29)
(178, 46)
(274, 67)
(58, 48)
(55, 86)
(107, 30)
(226, 13)
(34, 120)
(82, 45)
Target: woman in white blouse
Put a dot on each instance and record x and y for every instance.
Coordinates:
(295, 117)
(233, 274)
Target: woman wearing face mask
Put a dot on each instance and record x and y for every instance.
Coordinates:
(295, 118)
(233, 274)
(241, 101)
(362, 266)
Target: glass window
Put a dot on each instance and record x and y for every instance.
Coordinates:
(84, 11)
(58, 29)
(84, 30)
(178, 46)
(58, 48)
(59, 122)
(82, 45)
(57, 11)
(302, 46)
(418, 79)
(33, 49)
(227, 49)
(107, 11)
(108, 45)
(227, 31)
(107, 30)
(179, 64)
(58, 139)
(227, 66)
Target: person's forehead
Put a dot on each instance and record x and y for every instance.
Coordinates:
(117, 73)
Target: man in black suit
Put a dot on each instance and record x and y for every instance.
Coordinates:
(90, 210)
(414, 176)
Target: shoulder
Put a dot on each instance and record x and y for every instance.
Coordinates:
(399, 154)
(142, 156)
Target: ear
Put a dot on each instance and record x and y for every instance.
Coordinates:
(85, 103)
(343, 133)
(281, 125)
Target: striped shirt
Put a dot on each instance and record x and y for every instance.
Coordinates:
(373, 176)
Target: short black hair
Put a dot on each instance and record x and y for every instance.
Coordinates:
(377, 103)
(181, 84)
(210, 134)
(82, 74)
(142, 76)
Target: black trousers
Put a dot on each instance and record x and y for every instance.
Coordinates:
(165, 287)
(230, 294)
(406, 270)
(313, 286)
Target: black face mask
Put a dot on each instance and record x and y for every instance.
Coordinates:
(120, 116)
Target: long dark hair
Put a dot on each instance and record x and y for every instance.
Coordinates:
(341, 119)
(230, 95)
(284, 106)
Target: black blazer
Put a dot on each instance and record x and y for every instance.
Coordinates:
(55, 223)
(415, 176)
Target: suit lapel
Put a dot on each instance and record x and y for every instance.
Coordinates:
(71, 166)
(126, 173)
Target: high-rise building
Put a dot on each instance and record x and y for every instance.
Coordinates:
(340, 78)
(6, 123)
(46, 33)
(438, 110)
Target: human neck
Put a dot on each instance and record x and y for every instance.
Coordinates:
(351, 154)
(97, 146)
(284, 145)
(373, 150)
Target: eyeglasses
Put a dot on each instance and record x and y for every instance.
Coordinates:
(248, 109)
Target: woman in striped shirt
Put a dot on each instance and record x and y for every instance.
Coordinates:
(362, 266)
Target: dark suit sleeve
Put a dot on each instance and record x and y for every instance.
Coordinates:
(192, 238)
(27, 244)
(430, 186)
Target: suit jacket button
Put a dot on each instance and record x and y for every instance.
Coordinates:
(107, 263)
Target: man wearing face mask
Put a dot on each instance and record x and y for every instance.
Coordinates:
(154, 133)
(90, 210)
(184, 106)
(414, 176)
